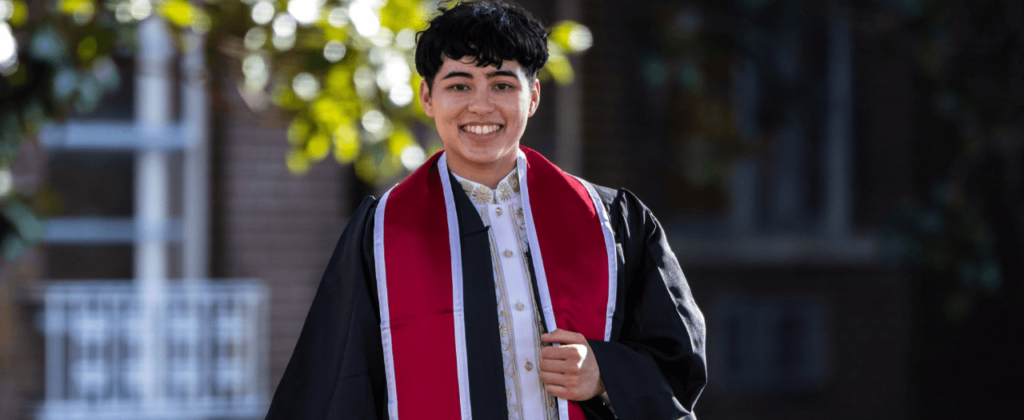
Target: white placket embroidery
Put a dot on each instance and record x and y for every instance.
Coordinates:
(518, 318)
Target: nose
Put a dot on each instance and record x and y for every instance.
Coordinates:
(481, 102)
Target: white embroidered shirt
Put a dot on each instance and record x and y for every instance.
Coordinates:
(518, 317)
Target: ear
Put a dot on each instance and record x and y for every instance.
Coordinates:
(425, 100)
(534, 97)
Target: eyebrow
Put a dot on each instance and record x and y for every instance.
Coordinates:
(490, 75)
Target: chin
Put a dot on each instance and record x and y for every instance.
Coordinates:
(482, 155)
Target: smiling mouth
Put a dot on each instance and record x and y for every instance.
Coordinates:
(481, 129)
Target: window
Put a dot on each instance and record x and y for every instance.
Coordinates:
(770, 344)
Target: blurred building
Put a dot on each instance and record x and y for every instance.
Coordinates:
(132, 324)
(192, 207)
(804, 322)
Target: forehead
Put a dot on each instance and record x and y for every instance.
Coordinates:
(467, 64)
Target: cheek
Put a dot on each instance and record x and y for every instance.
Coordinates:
(526, 105)
(449, 110)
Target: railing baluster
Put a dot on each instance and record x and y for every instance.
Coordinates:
(216, 340)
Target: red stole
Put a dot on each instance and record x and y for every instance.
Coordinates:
(419, 279)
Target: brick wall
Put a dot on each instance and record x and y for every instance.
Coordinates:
(275, 226)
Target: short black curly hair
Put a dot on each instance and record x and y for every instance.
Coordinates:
(489, 30)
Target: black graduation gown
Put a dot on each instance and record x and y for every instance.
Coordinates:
(653, 367)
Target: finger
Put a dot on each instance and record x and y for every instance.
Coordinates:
(559, 366)
(572, 353)
(558, 391)
(564, 337)
(556, 353)
(569, 352)
(554, 378)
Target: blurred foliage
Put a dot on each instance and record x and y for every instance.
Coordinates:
(950, 238)
(51, 63)
(342, 71)
(692, 60)
(967, 233)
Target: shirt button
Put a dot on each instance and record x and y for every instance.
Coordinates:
(498, 211)
(508, 253)
(528, 366)
(520, 306)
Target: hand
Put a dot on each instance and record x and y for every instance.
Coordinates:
(570, 370)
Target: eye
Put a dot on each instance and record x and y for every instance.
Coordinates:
(458, 87)
(503, 86)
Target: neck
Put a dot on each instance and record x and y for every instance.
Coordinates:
(489, 174)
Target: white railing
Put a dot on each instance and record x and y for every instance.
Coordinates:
(212, 352)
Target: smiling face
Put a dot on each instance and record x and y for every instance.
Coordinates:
(480, 113)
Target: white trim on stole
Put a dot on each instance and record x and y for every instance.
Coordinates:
(455, 242)
(609, 245)
(382, 297)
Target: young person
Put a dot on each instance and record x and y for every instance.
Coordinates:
(489, 284)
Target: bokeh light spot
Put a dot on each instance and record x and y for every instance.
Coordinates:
(262, 12)
(373, 121)
(305, 11)
(413, 156)
(406, 39)
(338, 17)
(334, 51)
(141, 9)
(123, 12)
(364, 18)
(305, 86)
(8, 47)
(284, 25)
(255, 38)
(580, 38)
(283, 43)
(401, 95)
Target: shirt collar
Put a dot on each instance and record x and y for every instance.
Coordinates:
(480, 194)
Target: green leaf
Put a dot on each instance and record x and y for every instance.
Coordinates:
(24, 220)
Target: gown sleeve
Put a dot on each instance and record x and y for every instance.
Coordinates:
(336, 370)
(654, 365)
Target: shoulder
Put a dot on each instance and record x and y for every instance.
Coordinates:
(364, 216)
(365, 213)
(358, 232)
(368, 205)
(622, 205)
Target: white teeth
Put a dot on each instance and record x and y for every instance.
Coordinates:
(482, 129)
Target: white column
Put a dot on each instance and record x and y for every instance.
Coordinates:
(153, 115)
(838, 197)
(195, 121)
(195, 185)
(569, 105)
